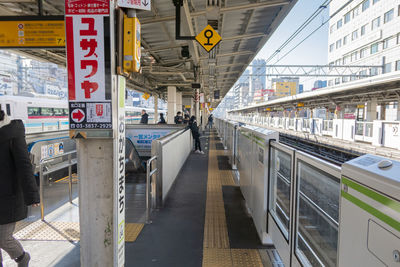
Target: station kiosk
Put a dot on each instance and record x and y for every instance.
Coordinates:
(370, 213)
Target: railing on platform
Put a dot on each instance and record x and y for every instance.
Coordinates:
(149, 183)
(53, 168)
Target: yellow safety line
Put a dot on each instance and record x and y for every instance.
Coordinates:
(73, 176)
(216, 247)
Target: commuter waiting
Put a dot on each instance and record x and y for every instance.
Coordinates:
(196, 134)
(178, 118)
(162, 119)
(210, 121)
(145, 117)
(18, 188)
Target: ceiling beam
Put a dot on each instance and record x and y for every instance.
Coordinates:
(253, 6)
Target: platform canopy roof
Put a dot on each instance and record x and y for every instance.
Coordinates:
(244, 25)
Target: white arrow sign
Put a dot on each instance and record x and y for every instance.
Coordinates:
(136, 4)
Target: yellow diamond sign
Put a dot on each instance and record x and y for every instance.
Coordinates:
(208, 38)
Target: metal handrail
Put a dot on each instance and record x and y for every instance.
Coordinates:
(149, 174)
(41, 179)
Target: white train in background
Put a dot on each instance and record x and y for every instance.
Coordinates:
(43, 115)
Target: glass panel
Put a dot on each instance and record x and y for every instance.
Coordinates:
(359, 128)
(47, 112)
(318, 213)
(33, 111)
(280, 173)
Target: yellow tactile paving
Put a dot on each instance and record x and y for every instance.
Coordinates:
(132, 231)
(217, 257)
(245, 257)
(40, 230)
(216, 248)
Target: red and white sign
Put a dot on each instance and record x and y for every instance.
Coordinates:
(78, 115)
(136, 4)
(88, 60)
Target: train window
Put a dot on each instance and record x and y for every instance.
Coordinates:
(47, 112)
(58, 112)
(33, 111)
(8, 109)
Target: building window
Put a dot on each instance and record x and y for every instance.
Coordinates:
(354, 35)
(373, 71)
(339, 23)
(363, 52)
(388, 16)
(363, 29)
(398, 65)
(337, 80)
(331, 47)
(365, 5)
(345, 39)
(354, 56)
(374, 48)
(376, 23)
(337, 62)
(388, 67)
(375, 1)
(363, 73)
(332, 28)
(398, 38)
(356, 11)
(386, 43)
(338, 43)
(345, 60)
(347, 18)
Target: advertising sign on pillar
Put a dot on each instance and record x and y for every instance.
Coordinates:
(119, 175)
(87, 26)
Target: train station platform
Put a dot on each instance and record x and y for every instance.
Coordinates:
(203, 222)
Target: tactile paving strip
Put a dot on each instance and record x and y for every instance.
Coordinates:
(246, 257)
(54, 231)
(132, 231)
(216, 248)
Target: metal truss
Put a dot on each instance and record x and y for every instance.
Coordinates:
(350, 71)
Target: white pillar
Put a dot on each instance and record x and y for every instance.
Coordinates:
(179, 101)
(398, 110)
(155, 109)
(197, 114)
(171, 104)
(371, 110)
(382, 113)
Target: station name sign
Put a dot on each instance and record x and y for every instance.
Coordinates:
(32, 32)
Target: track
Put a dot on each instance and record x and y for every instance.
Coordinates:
(332, 154)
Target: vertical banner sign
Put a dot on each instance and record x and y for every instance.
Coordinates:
(119, 175)
(87, 27)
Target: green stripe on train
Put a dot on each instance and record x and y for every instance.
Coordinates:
(371, 210)
(394, 205)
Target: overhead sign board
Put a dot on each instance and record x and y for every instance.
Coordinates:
(300, 104)
(29, 32)
(135, 4)
(88, 62)
(208, 38)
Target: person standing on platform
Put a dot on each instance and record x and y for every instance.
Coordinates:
(210, 120)
(196, 134)
(18, 188)
(186, 119)
(178, 118)
(162, 120)
(145, 117)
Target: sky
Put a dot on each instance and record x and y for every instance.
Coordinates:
(313, 51)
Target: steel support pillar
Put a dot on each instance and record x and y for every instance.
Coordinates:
(171, 104)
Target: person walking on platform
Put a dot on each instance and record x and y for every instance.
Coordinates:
(145, 117)
(210, 121)
(18, 188)
(162, 120)
(178, 118)
(196, 134)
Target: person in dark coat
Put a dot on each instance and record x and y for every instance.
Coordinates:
(162, 120)
(178, 118)
(145, 117)
(210, 121)
(18, 188)
(196, 134)
(186, 119)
